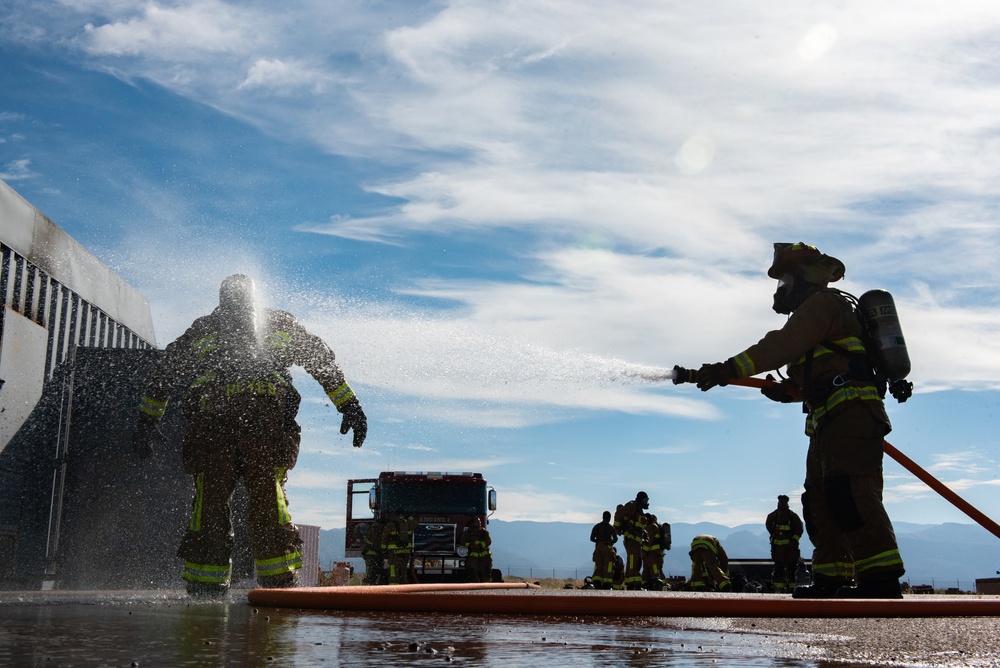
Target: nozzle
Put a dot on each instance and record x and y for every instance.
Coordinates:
(682, 375)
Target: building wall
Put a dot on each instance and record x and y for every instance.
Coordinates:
(56, 296)
(308, 576)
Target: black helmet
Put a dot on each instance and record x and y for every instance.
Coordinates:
(788, 256)
(237, 293)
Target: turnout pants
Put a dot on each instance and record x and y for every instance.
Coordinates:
(706, 570)
(633, 562)
(604, 566)
(219, 452)
(845, 518)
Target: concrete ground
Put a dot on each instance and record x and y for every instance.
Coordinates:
(166, 627)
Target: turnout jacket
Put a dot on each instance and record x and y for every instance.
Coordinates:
(818, 370)
(216, 369)
(785, 528)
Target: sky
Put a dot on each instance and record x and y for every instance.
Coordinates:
(500, 214)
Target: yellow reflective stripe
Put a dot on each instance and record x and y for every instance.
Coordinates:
(204, 345)
(284, 517)
(882, 560)
(201, 380)
(286, 563)
(704, 543)
(210, 573)
(279, 339)
(851, 344)
(153, 407)
(341, 395)
(842, 394)
(199, 502)
(834, 569)
(745, 365)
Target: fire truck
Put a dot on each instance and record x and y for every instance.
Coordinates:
(444, 506)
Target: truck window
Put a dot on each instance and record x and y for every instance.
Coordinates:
(419, 497)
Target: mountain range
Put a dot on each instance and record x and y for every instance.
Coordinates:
(944, 555)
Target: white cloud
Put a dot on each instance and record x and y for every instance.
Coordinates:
(17, 170)
(285, 76)
(187, 32)
(535, 505)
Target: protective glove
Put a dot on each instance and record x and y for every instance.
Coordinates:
(354, 418)
(710, 375)
(784, 391)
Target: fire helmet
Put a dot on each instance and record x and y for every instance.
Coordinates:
(801, 269)
(237, 293)
(820, 268)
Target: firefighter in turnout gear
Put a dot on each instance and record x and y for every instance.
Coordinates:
(371, 551)
(631, 526)
(240, 408)
(785, 529)
(822, 346)
(603, 537)
(397, 544)
(479, 560)
(709, 565)
(652, 555)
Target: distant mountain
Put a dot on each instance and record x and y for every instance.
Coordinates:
(943, 554)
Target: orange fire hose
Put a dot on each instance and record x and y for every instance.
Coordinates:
(908, 464)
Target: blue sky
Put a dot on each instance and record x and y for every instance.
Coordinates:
(498, 212)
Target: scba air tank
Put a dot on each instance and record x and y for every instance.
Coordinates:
(879, 311)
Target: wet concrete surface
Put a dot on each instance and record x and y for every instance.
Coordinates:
(169, 629)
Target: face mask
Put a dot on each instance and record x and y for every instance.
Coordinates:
(783, 295)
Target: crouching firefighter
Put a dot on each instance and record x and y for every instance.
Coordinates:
(822, 343)
(240, 407)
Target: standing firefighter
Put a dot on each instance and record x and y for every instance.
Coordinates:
(240, 407)
(631, 525)
(652, 555)
(371, 551)
(785, 529)
(397, 544)
(603, 536)
(822, 346)
(479, 560)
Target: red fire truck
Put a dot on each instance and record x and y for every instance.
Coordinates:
(444, 506)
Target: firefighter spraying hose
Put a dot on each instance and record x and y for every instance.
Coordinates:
(842, 356)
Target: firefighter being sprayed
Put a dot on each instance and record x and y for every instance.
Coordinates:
(822, 344)
(240, 407)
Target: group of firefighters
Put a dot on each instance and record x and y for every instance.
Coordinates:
(645, 540)
(387, 548)
(240, 407)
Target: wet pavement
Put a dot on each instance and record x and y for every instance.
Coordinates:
(168, 629)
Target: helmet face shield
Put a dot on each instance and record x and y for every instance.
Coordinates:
(791, 292)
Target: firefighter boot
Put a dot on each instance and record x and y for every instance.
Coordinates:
(279, 581)
(206, 590)
(878, 585)
(822, 587)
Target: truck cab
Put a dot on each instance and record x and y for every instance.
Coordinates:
(443, 505)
